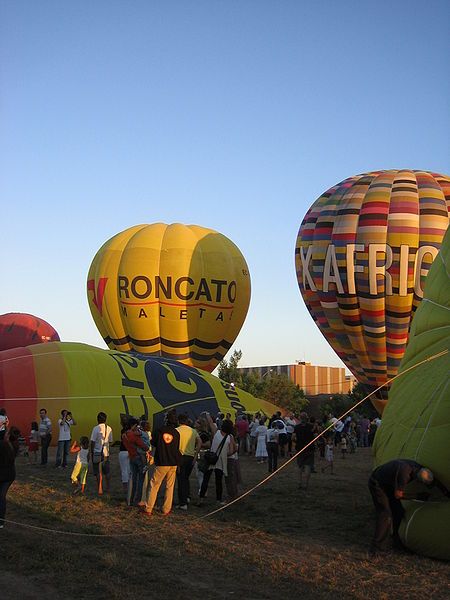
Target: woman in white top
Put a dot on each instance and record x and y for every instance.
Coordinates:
(223, 444)
(261, 450)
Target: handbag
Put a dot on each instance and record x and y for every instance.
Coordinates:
(210, 457)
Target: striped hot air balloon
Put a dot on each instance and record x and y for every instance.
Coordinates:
(176, 291)
(362, 254)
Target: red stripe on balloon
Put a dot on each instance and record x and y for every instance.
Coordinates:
(18, 391)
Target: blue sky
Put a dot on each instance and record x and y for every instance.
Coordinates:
(230, 115)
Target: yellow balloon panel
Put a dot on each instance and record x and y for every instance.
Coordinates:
(176, 291)
(87, 380)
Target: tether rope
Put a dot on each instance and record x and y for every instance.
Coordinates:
(248, 492)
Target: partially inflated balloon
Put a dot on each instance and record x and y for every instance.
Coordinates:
(87, 380)
(363, 251)
(175, 291)
(416, 422)
(22, 329)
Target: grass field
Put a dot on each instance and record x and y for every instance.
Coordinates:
(277, 543)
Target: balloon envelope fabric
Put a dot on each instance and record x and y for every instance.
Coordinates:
(23, 329)
(362, 254)
(177, 291)
(87, 380)
(416, 422)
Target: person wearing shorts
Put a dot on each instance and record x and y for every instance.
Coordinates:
(101, 438)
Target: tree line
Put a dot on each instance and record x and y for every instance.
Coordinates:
(280, 390)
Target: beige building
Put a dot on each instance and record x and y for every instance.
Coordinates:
(312, 379)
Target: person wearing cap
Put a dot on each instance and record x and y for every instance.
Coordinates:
(387, 486)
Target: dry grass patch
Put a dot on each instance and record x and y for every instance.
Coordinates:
(278, 541)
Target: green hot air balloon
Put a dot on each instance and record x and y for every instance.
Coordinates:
(416, 421)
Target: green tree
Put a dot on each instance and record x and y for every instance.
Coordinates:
(275, 388)
(338, 404)
(228, 371)
(367, 409)
(341, 403)
(281, 391)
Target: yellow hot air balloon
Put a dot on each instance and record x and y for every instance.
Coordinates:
(363, 251)
(87, 380)
(176, 291)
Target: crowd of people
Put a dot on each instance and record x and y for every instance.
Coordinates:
(171, 453)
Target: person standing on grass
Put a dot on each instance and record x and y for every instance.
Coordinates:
(329, 455)
(166, 441)
(65, 423)
(219, 419)
(280, 425)
(45, 435)
(242, 430)
(363, 428)
(338, 427)
(303, 435)
(148, 460)
(223, 445)
(352, 438)
(290, 426)
(190, 444)
(9, 447)
(344, 445)
(233, 478)
(81, 466)
(272, 448)
(33, 444)
(134, 442)
(261, 448)
(124, 460)
(206, 429)
(101, 438)
(253, 425)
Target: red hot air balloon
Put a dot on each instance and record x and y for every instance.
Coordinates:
(22, 329)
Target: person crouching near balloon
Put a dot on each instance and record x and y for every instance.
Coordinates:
(81, 466)
(388, 486)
